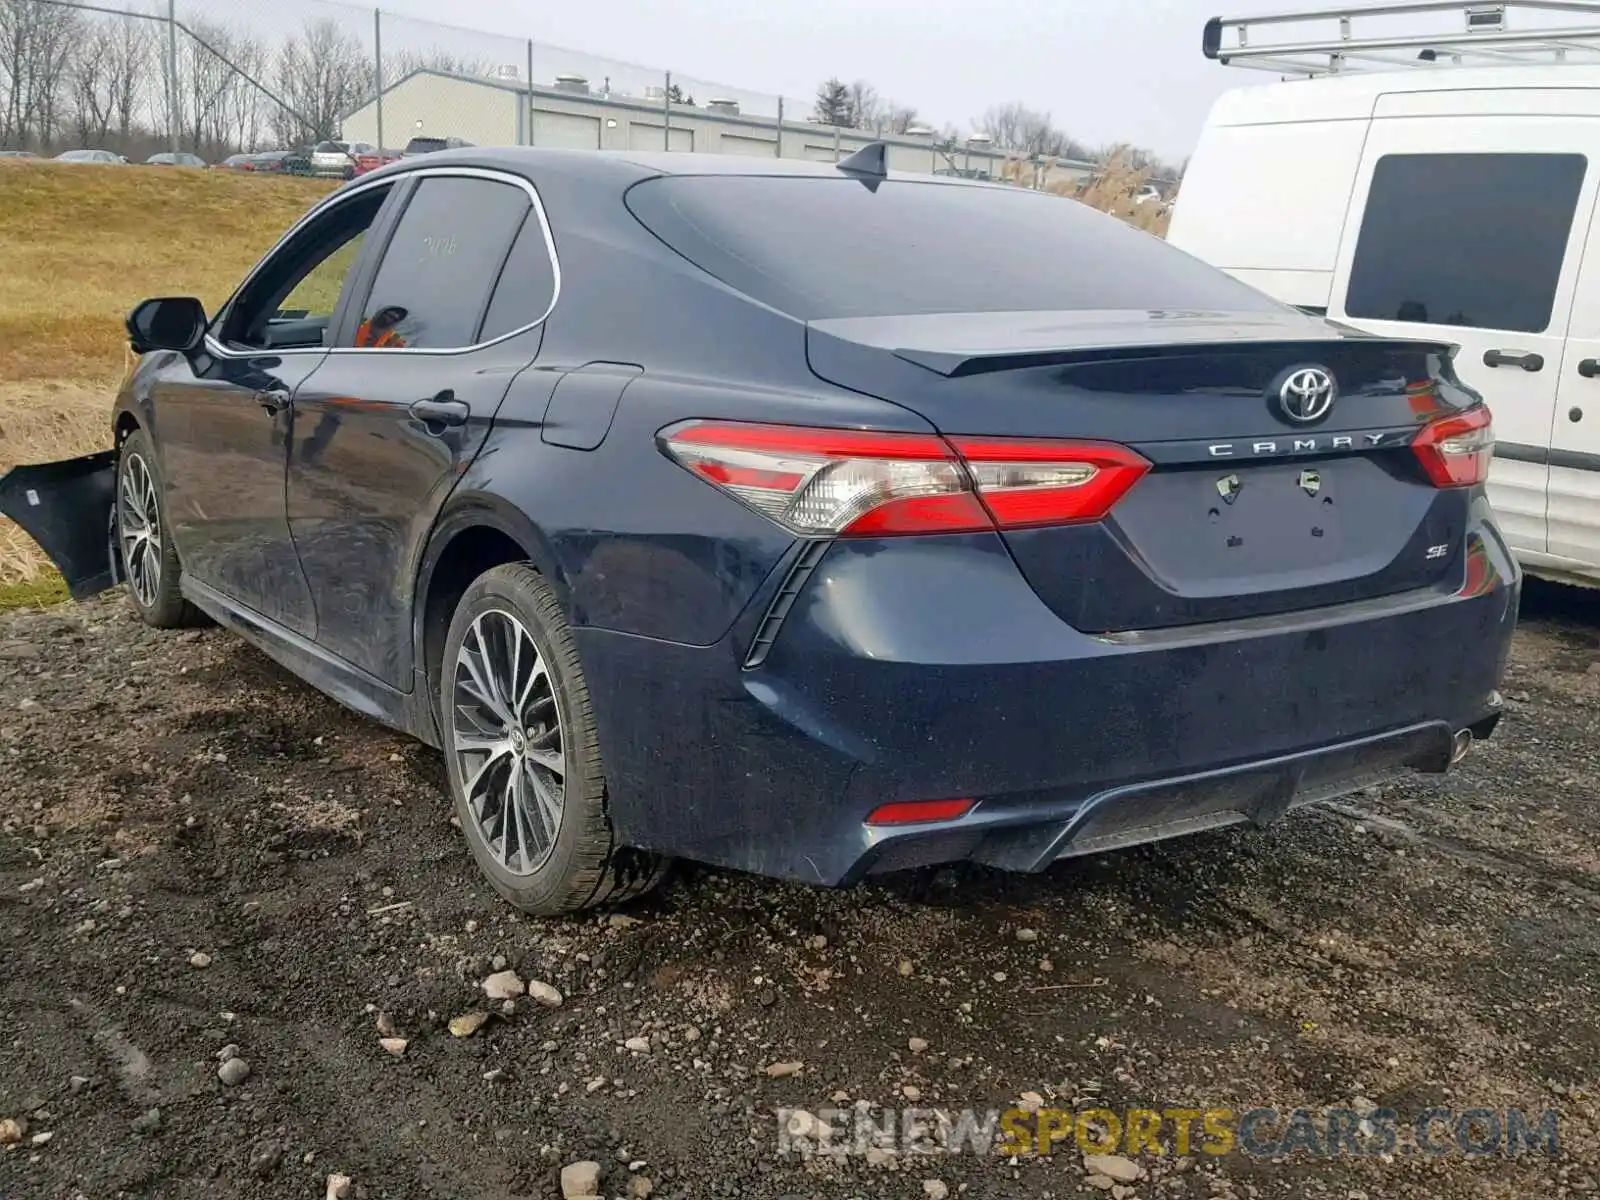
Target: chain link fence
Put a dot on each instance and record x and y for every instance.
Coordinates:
(319, 87)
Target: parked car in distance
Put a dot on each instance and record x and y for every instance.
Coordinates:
(338, 160)
(372, 160)
(1391, 199)
(180, 159)
(432, 145)
(279, 162)
(823, 556)
(17, 154)
(90, 156)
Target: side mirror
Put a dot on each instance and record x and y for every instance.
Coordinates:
(167, 323)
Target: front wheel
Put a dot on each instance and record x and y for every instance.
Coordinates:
(524, 759)
(144, 541)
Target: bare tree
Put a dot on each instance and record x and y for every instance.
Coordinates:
(126, 67)
(245, 106)
(204, 79)
(91, 108)
(1027, 131)
(399, 64)
(866, 105)
(880, 115)
(36, 45)
(106, 75)
(323, 73)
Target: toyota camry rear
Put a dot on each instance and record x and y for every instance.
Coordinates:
(1120, 550)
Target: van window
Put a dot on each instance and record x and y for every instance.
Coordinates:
(1465, 239)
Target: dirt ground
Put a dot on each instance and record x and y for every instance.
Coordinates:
(202, 859)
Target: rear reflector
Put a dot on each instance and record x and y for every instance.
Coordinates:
(1455, 450)
(840, 482)
(918, 812)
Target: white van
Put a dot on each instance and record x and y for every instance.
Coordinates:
(1392, 184)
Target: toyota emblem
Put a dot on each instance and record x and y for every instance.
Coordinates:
(1306, 395)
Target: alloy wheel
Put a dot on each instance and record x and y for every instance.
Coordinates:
(508, 741)
(139, 529)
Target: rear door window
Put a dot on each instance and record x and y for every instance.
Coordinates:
(527, 285)
(822, 247)
(1473, 240)
(432, 287)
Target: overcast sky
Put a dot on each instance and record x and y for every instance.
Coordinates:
(1108, 70)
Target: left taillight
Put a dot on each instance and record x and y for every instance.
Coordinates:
(1455, 450)
(854, 483)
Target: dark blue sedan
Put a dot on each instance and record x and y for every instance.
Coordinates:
(811, 520)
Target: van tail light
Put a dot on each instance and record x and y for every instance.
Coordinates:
(852, 483)
(1455, 450)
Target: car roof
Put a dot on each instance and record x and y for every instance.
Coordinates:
(617, 164)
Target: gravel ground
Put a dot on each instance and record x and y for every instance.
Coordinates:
(238, 932)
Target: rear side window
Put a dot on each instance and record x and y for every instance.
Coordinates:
(1465, 239)
(527, 285)
(820, 247)
(433, 284)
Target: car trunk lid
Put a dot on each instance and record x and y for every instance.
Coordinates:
(1247, 510)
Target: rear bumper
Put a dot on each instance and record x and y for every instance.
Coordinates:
(912, 669)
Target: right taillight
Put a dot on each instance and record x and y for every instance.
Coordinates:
(1455, 450)
(860, 483)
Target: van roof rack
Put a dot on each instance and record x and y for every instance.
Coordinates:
(1430, 34)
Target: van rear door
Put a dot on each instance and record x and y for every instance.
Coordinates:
(1469, 228)
(1574, 464)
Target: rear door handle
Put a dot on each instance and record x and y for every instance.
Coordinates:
(274, 400)
(1527, 360)
(443, 409)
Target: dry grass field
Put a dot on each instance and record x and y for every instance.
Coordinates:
(83, 244)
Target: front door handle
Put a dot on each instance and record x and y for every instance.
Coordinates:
(274, 400)
(1525, 359)
(1589, 368)
(443, 409)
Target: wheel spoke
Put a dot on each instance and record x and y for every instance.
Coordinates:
(478, 686)
(536, 673)
(511, 833)
(547, 803)
(551, 760)
(470, 787)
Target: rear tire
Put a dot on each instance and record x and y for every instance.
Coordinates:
(523, 755)
(144, 541)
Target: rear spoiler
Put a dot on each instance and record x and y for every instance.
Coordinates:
(957, 364)
(962, 344)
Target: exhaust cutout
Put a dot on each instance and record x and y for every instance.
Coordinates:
(1459, 745)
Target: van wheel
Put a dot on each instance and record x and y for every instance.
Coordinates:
(524, 760)
(144, 542)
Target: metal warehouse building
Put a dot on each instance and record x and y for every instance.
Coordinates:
(495, 111)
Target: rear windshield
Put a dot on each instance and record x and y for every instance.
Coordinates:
(820, 247)
(330, 148)
(425, 144)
